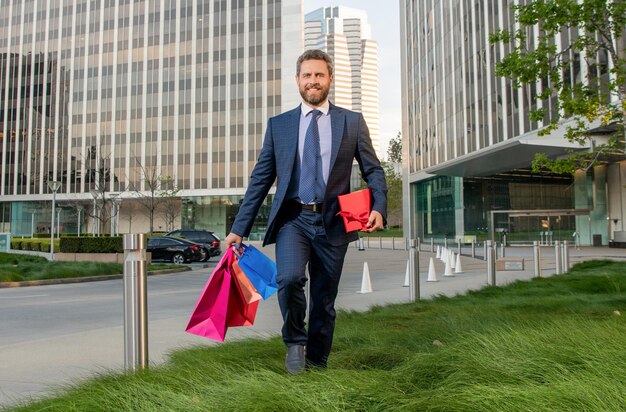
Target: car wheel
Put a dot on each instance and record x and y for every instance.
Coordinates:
(178, 259)
(205, 255)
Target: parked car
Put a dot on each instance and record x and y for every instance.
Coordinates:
(209, 240)
(176, 250)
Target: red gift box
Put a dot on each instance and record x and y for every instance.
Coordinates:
(355, 209)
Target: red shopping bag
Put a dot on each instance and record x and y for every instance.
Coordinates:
(209, 317)
(355, 209)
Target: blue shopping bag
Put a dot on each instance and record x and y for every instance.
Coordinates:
(259, 269)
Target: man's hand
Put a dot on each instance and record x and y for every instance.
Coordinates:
(232, 239)
(375, 222)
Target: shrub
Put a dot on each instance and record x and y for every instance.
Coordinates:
(16, 244)
(44, 245)
(89, 244)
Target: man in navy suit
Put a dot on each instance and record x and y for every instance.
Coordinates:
(309, 151)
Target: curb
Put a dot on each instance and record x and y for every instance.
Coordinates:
(62, 281)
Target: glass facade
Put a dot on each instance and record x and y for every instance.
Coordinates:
(98, 94)
(455, 206)
(457, 113)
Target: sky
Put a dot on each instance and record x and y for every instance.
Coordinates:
(384, 19)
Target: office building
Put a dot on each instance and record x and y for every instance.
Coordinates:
(345, 35)
(469, 140)
(107, 96)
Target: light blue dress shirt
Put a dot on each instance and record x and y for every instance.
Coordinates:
(326, 138)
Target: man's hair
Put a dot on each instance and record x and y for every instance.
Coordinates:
(315, 55)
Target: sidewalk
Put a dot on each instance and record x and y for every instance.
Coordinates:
(36, 359)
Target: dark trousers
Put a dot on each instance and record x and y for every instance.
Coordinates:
(301, 240)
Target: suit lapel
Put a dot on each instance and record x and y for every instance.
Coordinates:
(337, 122)
(292, 127)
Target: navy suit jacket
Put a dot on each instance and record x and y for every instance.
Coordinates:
(350, 140)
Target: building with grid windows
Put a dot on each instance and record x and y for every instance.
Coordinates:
(345, 35)
(468, 138)
(118, 99)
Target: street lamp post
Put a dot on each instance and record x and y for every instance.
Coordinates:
(58, 223)
(54, 186)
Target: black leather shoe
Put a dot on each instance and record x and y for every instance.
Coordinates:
(295, 359)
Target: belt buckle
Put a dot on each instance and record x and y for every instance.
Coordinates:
(316, 207)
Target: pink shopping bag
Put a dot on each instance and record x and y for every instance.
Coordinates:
(209, 317)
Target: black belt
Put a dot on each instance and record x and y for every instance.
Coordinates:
(315, 207)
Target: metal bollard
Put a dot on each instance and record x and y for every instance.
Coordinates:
(380, 242)
(419, 244)
(393, 243)
(458, 246)
(368, 242)
(491, 264)
(414, 270)
(361, 245)
(557, 258)
(406, 244)
(135, 302)
(537, 258)
(485, 250)
(432, 245)
(473, 249)
(502, 249)
(445, 242)
(495, 249)
(565, 255)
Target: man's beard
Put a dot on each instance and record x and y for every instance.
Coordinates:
(314, 101)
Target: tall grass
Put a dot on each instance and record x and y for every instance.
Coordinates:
(18, 268)
(553, 344)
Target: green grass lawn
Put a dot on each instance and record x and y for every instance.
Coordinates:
(17, 268)
(553, 344)
(387, 232)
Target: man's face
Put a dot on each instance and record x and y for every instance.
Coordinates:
(314, 82)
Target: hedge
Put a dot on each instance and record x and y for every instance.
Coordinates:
(89, 244)
(37, 245)
(73, 244)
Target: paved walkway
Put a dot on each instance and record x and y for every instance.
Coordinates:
(79, 348)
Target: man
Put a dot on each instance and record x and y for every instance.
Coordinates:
(310, 150)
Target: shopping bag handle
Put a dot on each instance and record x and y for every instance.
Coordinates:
(230, 256)
(239, 250)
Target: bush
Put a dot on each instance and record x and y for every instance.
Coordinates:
(89, 244)
(16, 244)
(44, 245)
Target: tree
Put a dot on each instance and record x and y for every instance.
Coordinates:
(158, 193)
(594, 104)
(171, 205)
(394, 195)
(394, 150)
(99, 181)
